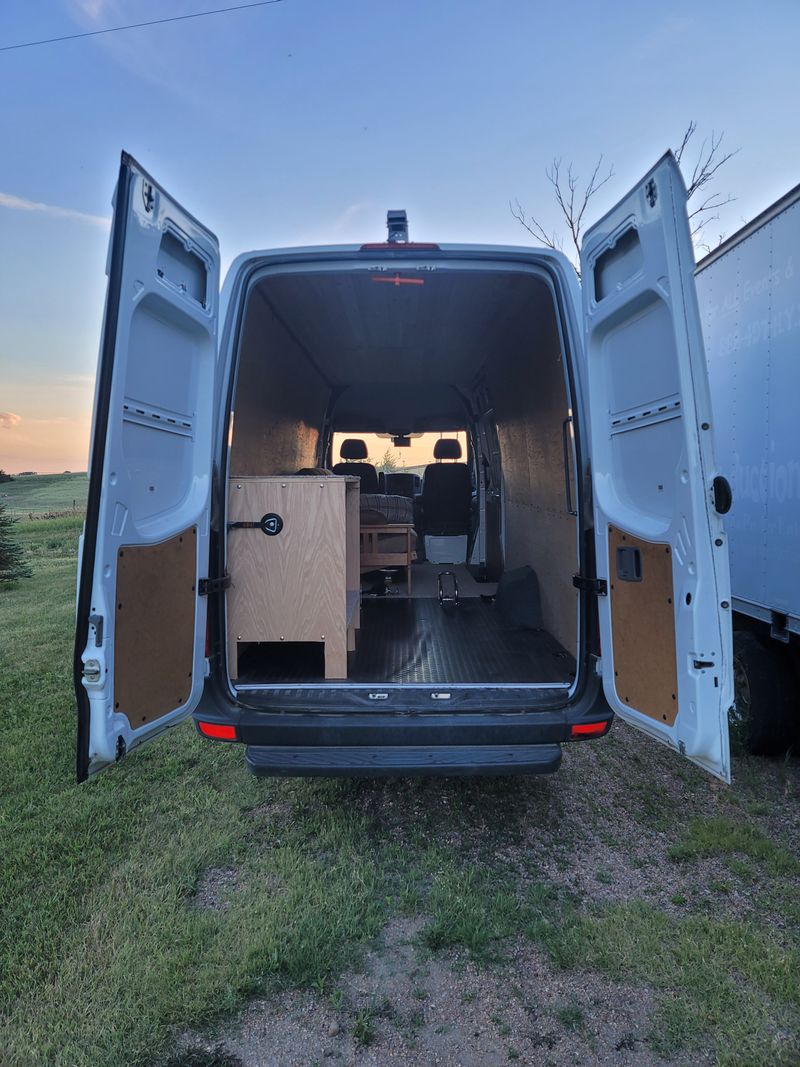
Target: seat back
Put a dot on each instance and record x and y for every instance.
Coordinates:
(446, 493)
(353, 453)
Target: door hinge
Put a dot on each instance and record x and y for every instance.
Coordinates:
(207, 586)
(598, 586)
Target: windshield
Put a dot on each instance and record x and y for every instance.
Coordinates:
(385, 456)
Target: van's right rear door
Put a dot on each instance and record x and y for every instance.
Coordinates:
(665, 620)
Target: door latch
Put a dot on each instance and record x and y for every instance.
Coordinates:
(92, 670)
(207, 586)
(598, 586)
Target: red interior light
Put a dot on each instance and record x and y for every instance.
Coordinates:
(219, 731)
(397, 280)
(588, 729)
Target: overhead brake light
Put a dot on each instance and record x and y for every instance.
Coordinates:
(588, 729)
(219, 731)
(395, 246)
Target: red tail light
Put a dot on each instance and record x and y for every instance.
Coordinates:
(219, 731)
(588, 729)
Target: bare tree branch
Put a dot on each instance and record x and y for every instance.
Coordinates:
(571, 201)
(534, 229)
(689, 133)
(709, 159)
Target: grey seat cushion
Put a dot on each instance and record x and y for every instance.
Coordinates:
(378, 509)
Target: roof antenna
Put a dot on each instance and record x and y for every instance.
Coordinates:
(397, 225)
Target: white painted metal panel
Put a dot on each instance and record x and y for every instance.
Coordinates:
(151, 445)
(750, 303)
(652, 456)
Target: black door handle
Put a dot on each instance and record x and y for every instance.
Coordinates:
(723, 495)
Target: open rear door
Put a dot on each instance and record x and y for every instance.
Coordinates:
(140, 630)
(665, 620)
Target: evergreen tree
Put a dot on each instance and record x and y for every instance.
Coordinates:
(12, 557)
(388, 463)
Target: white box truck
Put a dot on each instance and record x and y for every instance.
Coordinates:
(593, 571)
(749, 292)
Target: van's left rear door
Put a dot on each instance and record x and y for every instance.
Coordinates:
(140, 627)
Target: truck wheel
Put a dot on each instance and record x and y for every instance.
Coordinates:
(761, 718)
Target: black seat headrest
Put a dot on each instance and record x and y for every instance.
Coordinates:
(352, 448)
(447, 448)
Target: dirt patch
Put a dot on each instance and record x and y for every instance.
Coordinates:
(603, 830)
(405, 1007)
(216, 888)
(603, 826)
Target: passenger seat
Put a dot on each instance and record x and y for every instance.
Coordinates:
(353, 450)
(445, 505)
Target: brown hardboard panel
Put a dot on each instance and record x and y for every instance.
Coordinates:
(643, 629)
(291, 587)
(154, 627)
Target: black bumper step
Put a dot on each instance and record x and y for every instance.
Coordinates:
(402, 760)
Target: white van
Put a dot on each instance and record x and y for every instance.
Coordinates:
(563, 561)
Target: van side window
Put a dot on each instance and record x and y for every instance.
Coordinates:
(617, 264)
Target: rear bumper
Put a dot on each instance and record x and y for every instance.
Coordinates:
(403, 739)
(402, 760)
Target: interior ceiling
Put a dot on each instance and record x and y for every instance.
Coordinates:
(401, 356)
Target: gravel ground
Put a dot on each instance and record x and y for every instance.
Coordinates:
(447, 1011)
(599, 830)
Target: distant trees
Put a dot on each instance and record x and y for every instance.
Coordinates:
(12, 558)
(388, 462)
(5, 477)
(573, 198)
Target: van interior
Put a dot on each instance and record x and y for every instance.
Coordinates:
(453, 569)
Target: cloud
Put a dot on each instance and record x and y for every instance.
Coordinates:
(18, 203)
(9, 419)
(164, 60)
(344, 221)
(93, 9)
(353, 225)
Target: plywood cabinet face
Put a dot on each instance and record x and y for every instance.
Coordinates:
(292, 585)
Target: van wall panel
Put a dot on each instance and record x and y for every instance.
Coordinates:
(280, 398)
(527, 386)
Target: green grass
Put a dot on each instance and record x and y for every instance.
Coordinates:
(736, 982)
(105, 952)
(725, 836)
(570, 1015)
(45, 493)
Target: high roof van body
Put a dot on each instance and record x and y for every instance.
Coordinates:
(560, 561)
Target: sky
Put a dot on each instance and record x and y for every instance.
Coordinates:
(302, 122)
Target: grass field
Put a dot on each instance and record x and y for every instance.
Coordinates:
(40, 493)
(628, 895)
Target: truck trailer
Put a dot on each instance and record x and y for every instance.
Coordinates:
(749, 293)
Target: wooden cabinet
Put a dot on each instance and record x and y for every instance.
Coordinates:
(293, 559)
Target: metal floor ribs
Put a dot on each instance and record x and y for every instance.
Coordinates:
(418, 641)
